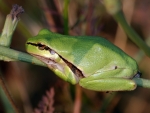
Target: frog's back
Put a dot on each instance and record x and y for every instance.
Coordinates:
(86, 51)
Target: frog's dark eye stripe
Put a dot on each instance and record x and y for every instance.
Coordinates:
(40, 46)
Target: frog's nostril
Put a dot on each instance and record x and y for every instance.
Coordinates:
(116, 67)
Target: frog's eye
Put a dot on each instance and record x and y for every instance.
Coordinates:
(42, 47)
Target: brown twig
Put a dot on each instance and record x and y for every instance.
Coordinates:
(52, 15)
(9, 97)
(77, 104)
(89, 17)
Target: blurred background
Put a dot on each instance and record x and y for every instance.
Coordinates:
(36, 89)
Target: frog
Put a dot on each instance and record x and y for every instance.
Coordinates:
(93, 62)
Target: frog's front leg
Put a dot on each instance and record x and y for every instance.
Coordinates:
(107, 84)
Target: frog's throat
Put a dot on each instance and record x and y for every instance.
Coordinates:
(60, 66)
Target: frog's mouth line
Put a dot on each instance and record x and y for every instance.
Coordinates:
(78, 73)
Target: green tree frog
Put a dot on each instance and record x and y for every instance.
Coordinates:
(93, 62)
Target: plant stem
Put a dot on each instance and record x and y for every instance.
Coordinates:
(119, 17)
(17, 55)
(65, 16)
(78, 99)
(10, 25)
(142, 82)
(106, 102)
(113, 7)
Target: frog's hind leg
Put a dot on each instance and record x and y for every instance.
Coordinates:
(109, 84)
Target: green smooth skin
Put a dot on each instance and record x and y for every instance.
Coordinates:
(104, 66)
